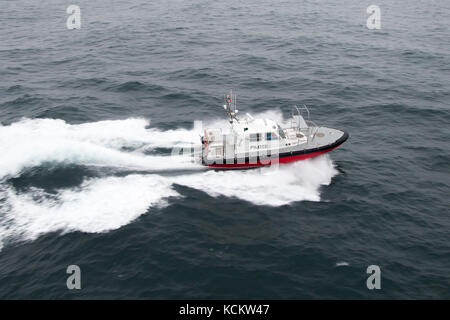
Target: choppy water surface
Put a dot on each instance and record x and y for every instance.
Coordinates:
(89, 118)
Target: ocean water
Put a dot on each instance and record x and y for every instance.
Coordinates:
(89, 118)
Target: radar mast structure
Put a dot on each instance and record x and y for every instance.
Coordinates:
(230, 106)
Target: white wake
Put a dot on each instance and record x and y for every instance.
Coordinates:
(107, 203)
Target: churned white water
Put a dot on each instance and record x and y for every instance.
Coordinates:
(107, 203)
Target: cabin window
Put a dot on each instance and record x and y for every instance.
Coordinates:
(255, 137)
(271, 136)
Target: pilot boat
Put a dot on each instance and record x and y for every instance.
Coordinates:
(253, 142)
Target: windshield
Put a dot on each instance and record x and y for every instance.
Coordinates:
(281, 132)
